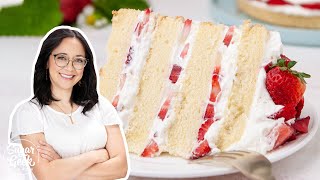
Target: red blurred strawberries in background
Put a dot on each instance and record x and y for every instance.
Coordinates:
(71, 9)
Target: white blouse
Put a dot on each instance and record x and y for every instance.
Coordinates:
(86, 134)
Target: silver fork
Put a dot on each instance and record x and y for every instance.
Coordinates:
(251, 164)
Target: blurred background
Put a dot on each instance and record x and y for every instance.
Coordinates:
(24, 23)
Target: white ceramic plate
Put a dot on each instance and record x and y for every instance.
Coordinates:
(167, 166)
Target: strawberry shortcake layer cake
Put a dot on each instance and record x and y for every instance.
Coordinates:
(292, 13)
(195, 88)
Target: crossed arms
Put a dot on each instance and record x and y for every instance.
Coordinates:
(108, 163)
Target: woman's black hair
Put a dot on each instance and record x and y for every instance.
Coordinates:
(85, 94)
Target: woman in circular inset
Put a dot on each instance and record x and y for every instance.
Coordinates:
(76, 132)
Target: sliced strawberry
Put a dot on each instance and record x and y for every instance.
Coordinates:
(288, 112)
(215, 84)
(301, 125)
(299, 107)
(217, 70)
(138, 28)
(202, 150)
(186, 29)
(204, 128)
(285, 132)
(129, 55)
(313, 6)
(293, 137)
(151, 149)
(164, 108)
(175, 73)
(115, 101)
(277, 2)
(209, 111)
(228, 37)
(184, 51)
(141, 25)
(215, 88)
(147, 15)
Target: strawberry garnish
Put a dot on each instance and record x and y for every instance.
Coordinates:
(228, 37)
(299, 107)
(292, 137)
(268, 67)
(175, 73)
(301, 125)
(164, 108)
(209, 111)
(184, 51)
(151, 149)
(287, 112)
(277, 2)
(186, 29)
(285, 86)
(204, 128)
(284, 133)
(202, 150)
(286, 59)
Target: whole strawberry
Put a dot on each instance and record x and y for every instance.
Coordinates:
(71, 9)
(285, 86)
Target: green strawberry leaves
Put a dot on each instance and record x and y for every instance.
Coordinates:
(286, 65)
(31, 18)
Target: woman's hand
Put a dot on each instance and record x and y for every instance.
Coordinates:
(46, 151)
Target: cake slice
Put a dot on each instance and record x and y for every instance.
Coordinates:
(195, 88)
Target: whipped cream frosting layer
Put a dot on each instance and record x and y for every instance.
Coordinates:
(160, 127)
(258, 125)
(140, 46)
(286, 9)
(227, 76)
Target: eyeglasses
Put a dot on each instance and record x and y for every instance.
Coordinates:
(62, 60)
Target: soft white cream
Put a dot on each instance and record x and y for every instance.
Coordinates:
(257, 135)
(161, 127)
(303, 1)
(141, 46)
(258, 126)
(227, 77)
